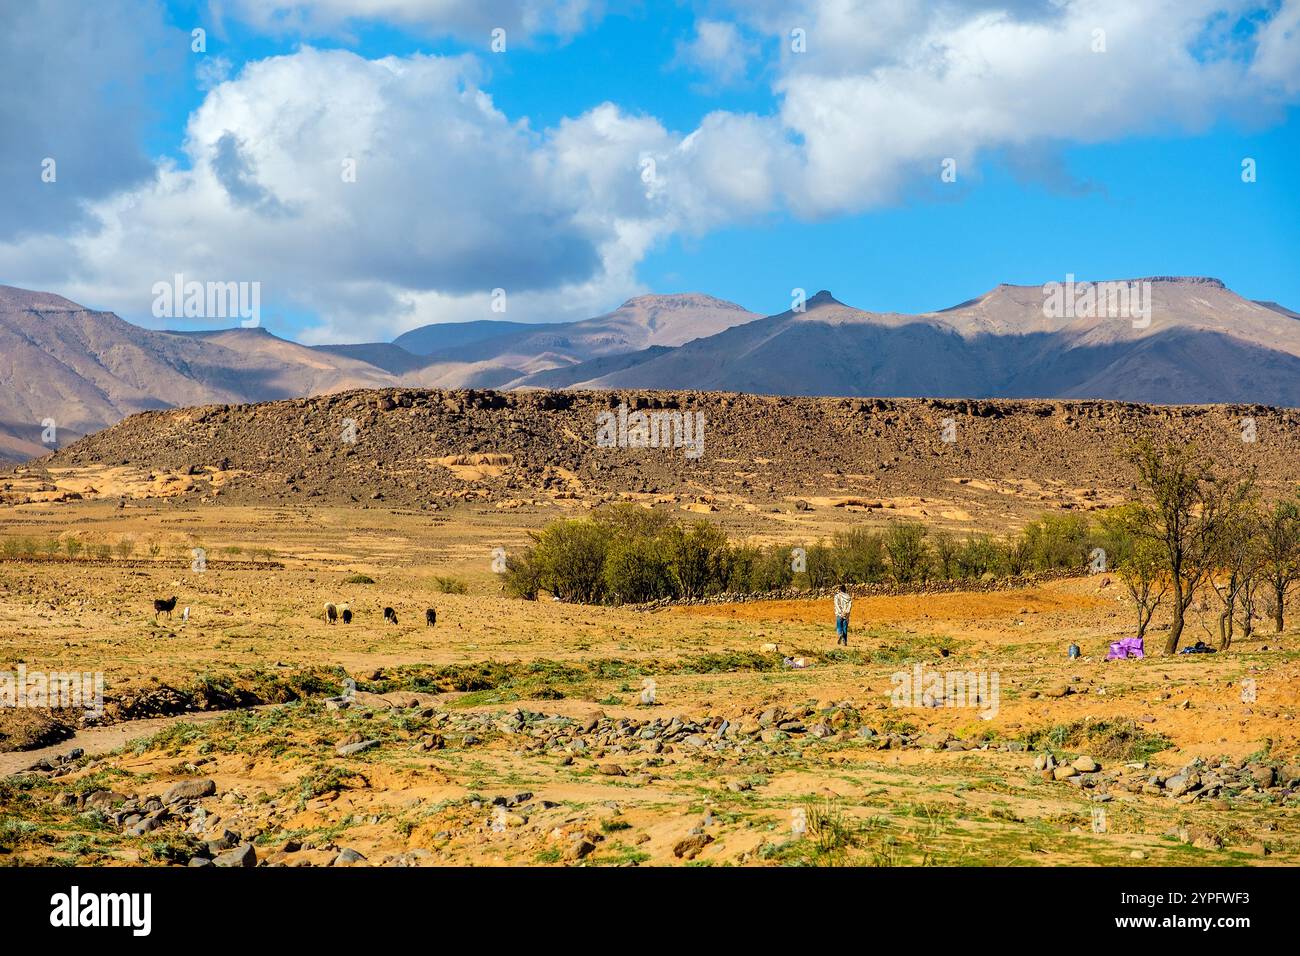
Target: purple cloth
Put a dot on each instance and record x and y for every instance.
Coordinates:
(1126, 647)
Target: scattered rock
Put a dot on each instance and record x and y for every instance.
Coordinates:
(244, 855)
(189, 790)
(348, 750)
(688, 848)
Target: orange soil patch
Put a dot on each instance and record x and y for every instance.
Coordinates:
(962, 606)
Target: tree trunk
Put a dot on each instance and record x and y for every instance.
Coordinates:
(1176, 628)
(1280, 592)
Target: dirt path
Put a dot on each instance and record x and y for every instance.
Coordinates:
(102, 740)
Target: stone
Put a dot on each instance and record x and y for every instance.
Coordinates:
(103, 799)
(611, 770)
(689, 847)
(1063, 772)
(189, 790)
(579, 848)
(1085, 765)
(1204, 840)
(347, 856)
(227, 841)
(243, 855)
(348, 750)
(147, 825)
(1262, 776)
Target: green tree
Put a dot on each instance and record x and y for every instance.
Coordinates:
(1138, 561)
(946, 550)
(1239, 563)
(1057, 541)
(636, 570)
(571, 560)
(774, 570)
(859, 556)
(819, 565)
(628, 520)
(697, 558)
(1280, 553)
(979, 555)
(908, 552)
(1190, 506)
(523, 575)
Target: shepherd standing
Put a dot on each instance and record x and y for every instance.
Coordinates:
(843, 607)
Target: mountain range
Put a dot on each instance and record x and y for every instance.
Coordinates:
(84, 369)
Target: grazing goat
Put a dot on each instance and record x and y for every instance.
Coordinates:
(346, 615)
(331, 613)
(430, 617)
(159, 605)
(390, 615)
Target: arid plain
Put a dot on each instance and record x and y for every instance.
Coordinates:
(511, 732)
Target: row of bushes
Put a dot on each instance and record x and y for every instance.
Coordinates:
(627, 554)
(74, 547)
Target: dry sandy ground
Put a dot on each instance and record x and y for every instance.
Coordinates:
(281, 783)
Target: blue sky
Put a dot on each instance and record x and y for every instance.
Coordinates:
(772, 168)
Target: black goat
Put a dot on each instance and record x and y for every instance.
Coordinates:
(160, 605)
(390, 615)
(430, 617)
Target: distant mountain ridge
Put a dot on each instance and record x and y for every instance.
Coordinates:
(83, 369)
(1203, 344)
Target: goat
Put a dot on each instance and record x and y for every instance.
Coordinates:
(347, 615)
(331, 614)
(159, 605)
(390, 615)
(430, 617)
